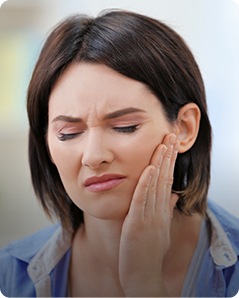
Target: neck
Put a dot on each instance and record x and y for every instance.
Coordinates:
(101, 239)
(95, 250)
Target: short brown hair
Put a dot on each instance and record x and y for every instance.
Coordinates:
(140, 48)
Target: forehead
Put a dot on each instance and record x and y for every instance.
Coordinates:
(84, 86)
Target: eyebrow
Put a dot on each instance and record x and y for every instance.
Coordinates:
(112, 115)
(67, 119)
(123, 112)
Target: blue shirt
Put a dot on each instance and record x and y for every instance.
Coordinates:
(38, 265)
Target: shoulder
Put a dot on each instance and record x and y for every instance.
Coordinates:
(27, 247)
(219, 273)
(15, 258)
(225, 246)
(26, 265)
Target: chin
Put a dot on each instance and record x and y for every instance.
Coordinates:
(108, 213)
(107, 205)
(107, 210)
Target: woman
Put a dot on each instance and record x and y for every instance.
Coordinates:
(119, 150)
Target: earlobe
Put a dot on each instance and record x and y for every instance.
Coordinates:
(188, 122)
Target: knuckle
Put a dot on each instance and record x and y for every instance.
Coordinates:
(170, 180)
(169, 154)
(140, 199)
(153, 190)
(167, 180)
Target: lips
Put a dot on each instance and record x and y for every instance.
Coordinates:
(104, 182)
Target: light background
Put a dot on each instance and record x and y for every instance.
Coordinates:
(211, 29)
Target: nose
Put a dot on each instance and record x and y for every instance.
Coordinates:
(96, 149)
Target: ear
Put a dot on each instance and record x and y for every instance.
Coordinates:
(188, 122)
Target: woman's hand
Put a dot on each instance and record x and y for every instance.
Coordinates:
(145, 237)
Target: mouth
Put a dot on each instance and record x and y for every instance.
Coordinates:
(104, 182)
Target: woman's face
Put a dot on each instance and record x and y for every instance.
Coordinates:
(102, 131)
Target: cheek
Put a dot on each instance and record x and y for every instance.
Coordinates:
(141, 158)
(138, 154)
(68, 169)
(67, 162)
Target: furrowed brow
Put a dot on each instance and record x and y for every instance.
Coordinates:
(112, 115)
(123, 112)
(65, 118)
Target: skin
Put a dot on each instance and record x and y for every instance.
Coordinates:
(118, 247)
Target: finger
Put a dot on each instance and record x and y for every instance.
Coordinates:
(152, 194)
(138, 203)
(173, 197)
(161, 160)
(165, 179)
(158, 155)
(153, 186)
(174, 154)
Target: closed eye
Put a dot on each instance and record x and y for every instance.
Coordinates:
(126, 129)
(68, 136)
(121, 129)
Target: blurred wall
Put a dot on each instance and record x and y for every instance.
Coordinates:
(211, 29)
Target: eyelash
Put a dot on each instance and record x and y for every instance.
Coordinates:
(126, 129)
(120, 129)
(67, 136)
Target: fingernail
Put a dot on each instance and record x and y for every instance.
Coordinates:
(172, 139)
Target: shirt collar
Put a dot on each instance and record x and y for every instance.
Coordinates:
(222, 252)
(50, 254)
